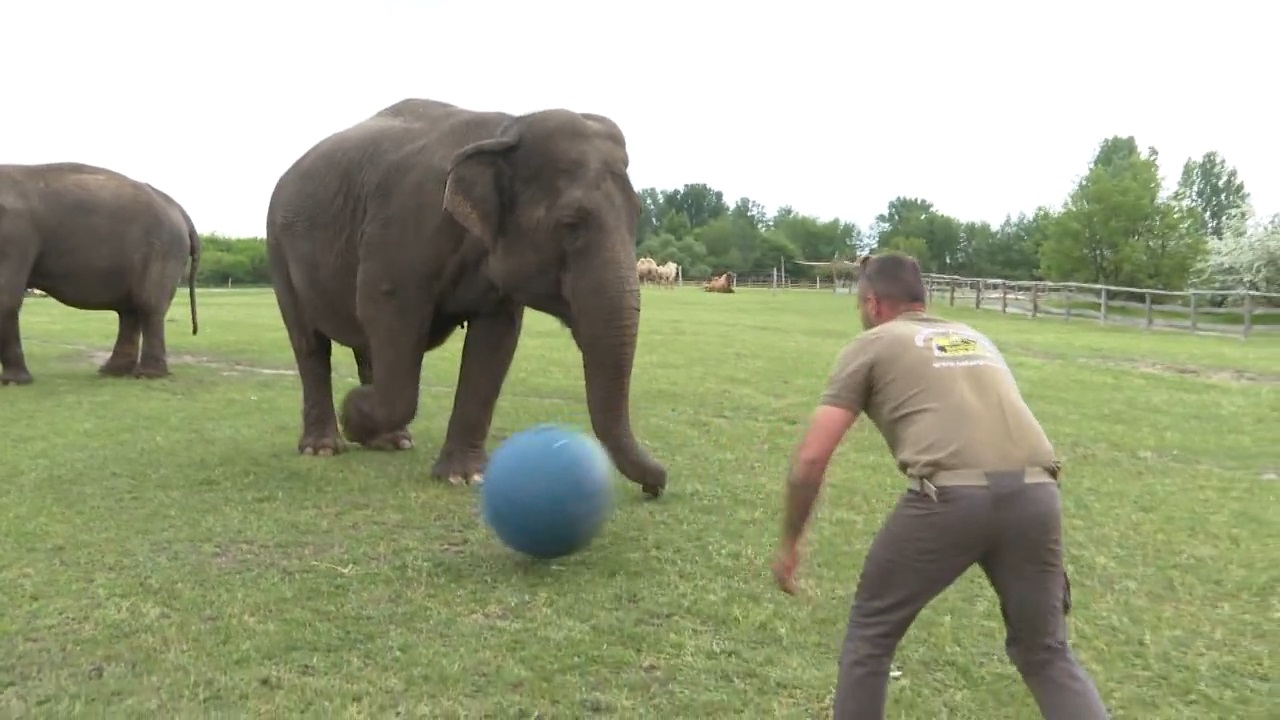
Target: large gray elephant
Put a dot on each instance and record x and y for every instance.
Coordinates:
(93, 239)
(388, 236)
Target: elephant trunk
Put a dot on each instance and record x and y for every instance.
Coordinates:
(606, 321)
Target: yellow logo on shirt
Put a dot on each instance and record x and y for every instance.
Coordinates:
(955, 346)
(958, 348)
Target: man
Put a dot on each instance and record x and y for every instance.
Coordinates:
(982, 488)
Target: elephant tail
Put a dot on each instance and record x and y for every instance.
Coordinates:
(193, 251)
(194, 237)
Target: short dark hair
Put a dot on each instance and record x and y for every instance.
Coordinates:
(892, 277)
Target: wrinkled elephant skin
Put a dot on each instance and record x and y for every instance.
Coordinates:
(93, 239)
(388, 236)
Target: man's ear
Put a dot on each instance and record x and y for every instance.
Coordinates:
(478, 190)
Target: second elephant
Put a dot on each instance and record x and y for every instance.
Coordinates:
(388, 236)
(93, 239)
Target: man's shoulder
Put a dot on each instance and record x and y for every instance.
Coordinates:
(923, 327)
(864, 342)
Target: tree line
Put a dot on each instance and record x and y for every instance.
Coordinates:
(1119, 225)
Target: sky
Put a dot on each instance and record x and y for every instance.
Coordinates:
(981, 107)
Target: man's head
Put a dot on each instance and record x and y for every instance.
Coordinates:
(889, 284)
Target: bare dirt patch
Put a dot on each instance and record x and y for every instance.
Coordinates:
(1151, 366)
(1224, 374)
(97, 357)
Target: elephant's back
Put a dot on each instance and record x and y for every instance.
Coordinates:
(430, 130)
(100, 234)
(331, 185)
(65, 201)
(42, 185)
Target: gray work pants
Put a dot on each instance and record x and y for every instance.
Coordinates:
(1013, 531)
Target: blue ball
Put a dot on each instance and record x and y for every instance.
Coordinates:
(547, 491)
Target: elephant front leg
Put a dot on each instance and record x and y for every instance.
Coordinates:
(376, 415)
(395, 440)
(124, 356)
(13, 363)
(487, 352)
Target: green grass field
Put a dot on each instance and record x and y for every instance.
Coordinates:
(166, 553)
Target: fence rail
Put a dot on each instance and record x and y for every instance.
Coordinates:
(1235, 312)
(1241, 312)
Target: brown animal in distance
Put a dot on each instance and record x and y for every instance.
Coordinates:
(719, 284)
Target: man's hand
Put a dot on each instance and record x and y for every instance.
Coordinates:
(784, 567)
(826, 428)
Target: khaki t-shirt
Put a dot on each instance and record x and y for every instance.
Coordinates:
(941, 395)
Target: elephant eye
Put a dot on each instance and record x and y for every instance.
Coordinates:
(575, 219)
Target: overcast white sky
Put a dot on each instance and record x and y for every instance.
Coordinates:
(982, 107)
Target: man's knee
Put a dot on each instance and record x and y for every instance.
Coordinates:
(1037, 658)
(871, 642)
(861, 651)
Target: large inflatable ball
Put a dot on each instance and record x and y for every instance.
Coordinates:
(547, 491)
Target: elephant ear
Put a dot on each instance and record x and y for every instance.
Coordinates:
(475, 193)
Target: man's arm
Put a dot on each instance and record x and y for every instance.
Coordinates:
(827, 427)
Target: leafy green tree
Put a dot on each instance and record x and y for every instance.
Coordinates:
(1010, 251)
(750, 211)
(698, 202)
(1212, 191)
(651, 213)
(913, 246)
(234, 261)
(916, 218)
(1117, 229)
(814, 239)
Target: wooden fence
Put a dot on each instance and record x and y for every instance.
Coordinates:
(1239, 312)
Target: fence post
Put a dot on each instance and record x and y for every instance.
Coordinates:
(679, 276)
(817, 282)
(1066, 292)
(1035, 300)
(1248, 313)
(1147, 302)
(977, 296)
(1103, 307)
(1193, 311)
(952, 283)
(774, 283)
(1004, 297)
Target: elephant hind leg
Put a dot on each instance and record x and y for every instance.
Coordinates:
(153, 361)
(364, 366)
(313, 352)
(16, 259)
(13, 363)
(124, 356)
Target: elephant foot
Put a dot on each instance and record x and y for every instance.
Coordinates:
(460, 468)
(16, 377)
(321, 444)
(151, 372)
(359, 419)
(118, 368)
(398, 440)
